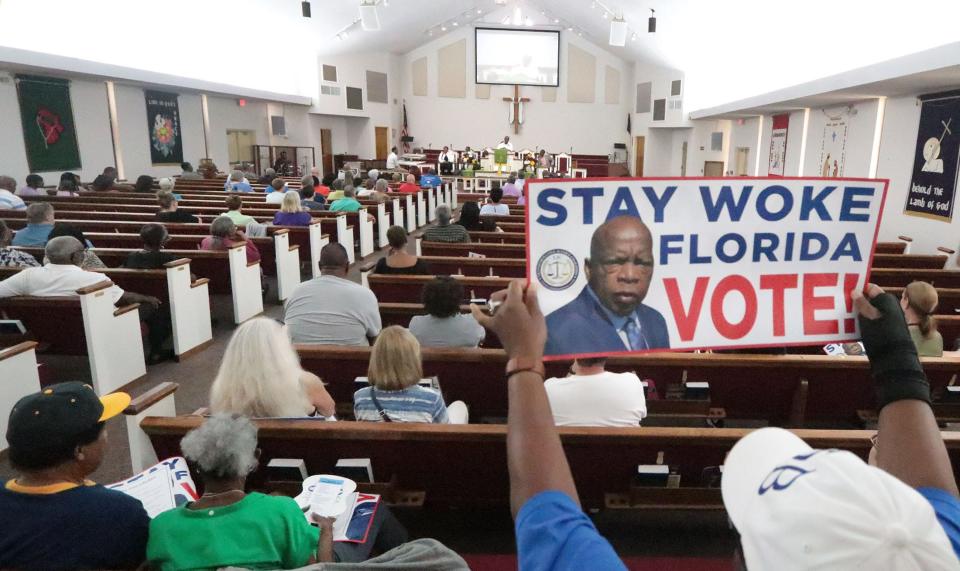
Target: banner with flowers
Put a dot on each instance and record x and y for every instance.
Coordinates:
(163, 124)
(49, 133)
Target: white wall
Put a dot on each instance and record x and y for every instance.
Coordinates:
(743, 133)
(134, 143)
(590, 128)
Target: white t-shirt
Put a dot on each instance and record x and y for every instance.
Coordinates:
(275, 197)
(54, 280)
(507, 146)
(497, 209)
(393, 161)
(607, 399)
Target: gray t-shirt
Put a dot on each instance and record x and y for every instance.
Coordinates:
(457, 331)
(332, 311)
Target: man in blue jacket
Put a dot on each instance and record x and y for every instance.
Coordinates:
(609, 314)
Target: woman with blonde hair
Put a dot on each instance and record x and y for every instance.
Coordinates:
(260, 376)
(395, 395)
(918, 301)
(291, 212)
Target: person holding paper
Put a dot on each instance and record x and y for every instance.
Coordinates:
(51, 515)
(609, 314)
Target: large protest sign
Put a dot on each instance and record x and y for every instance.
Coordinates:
(644, 264)
(933, 183)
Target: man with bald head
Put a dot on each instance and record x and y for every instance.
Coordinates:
(609, 314)
(331, 309)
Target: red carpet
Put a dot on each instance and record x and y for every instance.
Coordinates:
(488, 562)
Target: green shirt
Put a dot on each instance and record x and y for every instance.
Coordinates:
(238, 218)
(927, 346)
(258, 532)
(345, 205)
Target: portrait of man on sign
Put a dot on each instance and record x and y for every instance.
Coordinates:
(609, 315)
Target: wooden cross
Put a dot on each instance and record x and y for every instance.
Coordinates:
(517, 102)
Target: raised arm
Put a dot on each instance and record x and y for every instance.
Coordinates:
(535, 457)
(909, 443)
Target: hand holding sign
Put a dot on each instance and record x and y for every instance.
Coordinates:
(517, 321)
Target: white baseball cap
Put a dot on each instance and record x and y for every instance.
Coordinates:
(797, 508)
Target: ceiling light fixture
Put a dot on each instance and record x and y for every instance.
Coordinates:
(652, 22)
(618, 32)
(369, 20)
(443, 28)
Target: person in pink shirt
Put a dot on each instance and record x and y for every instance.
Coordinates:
(34, 186)
(224, 234)
(511, 188)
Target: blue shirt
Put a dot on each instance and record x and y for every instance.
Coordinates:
(947, 509)
(86, 527)
(412, 404)
(430, 181)
(238, 186)
(553, 533)
(32, 235)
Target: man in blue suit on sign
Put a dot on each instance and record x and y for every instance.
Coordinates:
(609, 315)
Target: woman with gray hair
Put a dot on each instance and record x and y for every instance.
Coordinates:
(237, 182)
(228, 527)
(224, 235)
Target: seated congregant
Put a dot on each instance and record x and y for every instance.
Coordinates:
(410, 186)
(33, 187)
(331, 309)
(593, 396)
(348, 203)
(237, 182)
(444, 325)
(397, 260)
(291, 213)
(12, 257)
(510, 188)
(227, 527)
(394, 394)
(69, 185)
(107, 181)
(430, 179)
(444, 231)
(234, 206)
(309, 199)
(90, 260)
(494, 207)
(168, 210)
(471, 220)
(152, 256)
(224, 234)
(144, 183)
(260, 376)
(167, 184)
(323, 189)
(275, 191)
(54, 517)
(8, 199)
(446, 160)
(40, 220)
(919, 300)
(187, 172)
(267, 177)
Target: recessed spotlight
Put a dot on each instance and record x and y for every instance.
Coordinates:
(556, 20)
(479, 11)
(455, 24)
(570, 29)
(604, 15)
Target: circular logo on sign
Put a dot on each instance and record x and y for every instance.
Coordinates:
(557, 269)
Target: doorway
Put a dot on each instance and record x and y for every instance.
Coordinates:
(240, 146)
(326, 150)
(638, 147)
(743, 153)
(713, 169)
(383, 142)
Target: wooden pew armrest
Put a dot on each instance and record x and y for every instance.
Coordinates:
(15, 350)
(200, 282)
(105, 284)
(946, 250)
(177, 262)
(125, 309)
(150, 398)
(368, 267)
(905, 238)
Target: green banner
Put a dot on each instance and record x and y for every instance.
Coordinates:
(49, 133)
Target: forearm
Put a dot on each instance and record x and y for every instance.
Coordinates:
(325, 545)
(535, 457)
(911, 447)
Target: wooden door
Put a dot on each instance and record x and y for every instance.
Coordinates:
(383, 142)
(326, 150)
(639, 144)
(713, 169)
(743, 153)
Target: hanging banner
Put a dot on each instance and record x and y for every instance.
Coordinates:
(163, 123)
(833, 148)
(49, 133)
(632, 265)
(778, 145)
(933, 184)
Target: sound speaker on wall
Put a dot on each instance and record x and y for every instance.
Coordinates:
(619, 146)
(406, 139)
(369, 20)
(618, 32)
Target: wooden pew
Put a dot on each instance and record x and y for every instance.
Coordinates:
(157, 402)
(890, 247)
(901, 277)
(18, 378)
(463, 466)
(779, 389)
(407, 288)
(425, 248)
(452, 266)
(402, 313)
(916, 261)
(86, 325)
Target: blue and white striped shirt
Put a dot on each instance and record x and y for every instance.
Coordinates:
(10, 201)
(412, 404)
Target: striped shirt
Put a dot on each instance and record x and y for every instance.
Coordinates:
(412, 404)
(10, 201)
(448, 233)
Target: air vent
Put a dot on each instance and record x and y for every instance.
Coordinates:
(329, 90)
